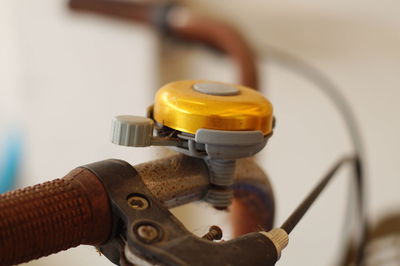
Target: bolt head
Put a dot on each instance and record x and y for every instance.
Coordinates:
(138, 202)
(148, 233)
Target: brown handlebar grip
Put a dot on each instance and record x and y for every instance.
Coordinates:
(47, 218)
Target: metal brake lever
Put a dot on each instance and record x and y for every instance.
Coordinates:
(146, 233)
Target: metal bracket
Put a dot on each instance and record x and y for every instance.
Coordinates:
(153, 235)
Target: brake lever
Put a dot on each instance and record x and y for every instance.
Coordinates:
(146, 233)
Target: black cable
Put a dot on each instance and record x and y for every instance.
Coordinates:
(315, 76)
(301, 210)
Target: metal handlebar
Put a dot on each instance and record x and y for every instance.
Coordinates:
(44, 219)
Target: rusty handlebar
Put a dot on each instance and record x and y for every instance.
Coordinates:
(181, 22)
(44, 219)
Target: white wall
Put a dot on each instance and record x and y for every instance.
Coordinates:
(76, 72)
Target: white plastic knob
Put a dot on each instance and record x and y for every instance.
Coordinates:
(132, 131)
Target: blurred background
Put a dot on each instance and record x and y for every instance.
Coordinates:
(65, 75)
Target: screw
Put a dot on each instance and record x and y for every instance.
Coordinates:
(214, 233)
(147, 233)
(138, 203)
(219, 197)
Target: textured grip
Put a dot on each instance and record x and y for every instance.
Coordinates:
(53, 216)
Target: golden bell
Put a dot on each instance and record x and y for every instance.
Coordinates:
(194, 104)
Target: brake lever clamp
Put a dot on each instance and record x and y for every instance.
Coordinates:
(218, 122)
(146, 233)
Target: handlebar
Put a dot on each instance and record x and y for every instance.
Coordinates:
(47, 218)
(44, 219)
